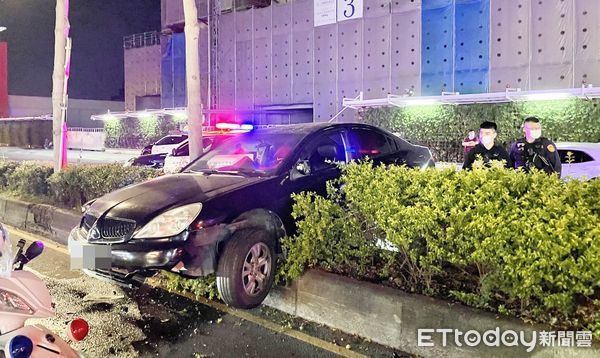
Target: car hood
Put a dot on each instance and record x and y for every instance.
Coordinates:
(144, 201)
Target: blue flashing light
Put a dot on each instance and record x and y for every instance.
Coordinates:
(20, 347)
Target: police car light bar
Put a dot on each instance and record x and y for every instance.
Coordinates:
(234, 126)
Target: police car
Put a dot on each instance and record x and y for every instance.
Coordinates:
(579, 160)
(180, 156)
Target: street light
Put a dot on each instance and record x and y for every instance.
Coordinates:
(2, 28)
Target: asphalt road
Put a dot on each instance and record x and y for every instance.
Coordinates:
(73, 156)
(148, 322)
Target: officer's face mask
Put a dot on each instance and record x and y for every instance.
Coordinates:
(487, 140)
(535, 133)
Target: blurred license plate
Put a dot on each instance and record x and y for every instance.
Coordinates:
(90, 257)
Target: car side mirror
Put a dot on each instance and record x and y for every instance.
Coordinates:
(173, 152)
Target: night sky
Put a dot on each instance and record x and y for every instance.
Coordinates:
(97, 30)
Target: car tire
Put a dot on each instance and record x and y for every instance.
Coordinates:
(246, 268)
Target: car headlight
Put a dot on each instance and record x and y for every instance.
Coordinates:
(170, 223)
(9, 302)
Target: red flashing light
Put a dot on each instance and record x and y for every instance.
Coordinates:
(234, 126)
(78, 329)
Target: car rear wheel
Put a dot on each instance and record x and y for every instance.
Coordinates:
(246, 269)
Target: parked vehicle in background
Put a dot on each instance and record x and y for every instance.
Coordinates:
(579, 159)
(154, 161)
(165, 145)
(180, 156)
(227, 210)
(147, 149)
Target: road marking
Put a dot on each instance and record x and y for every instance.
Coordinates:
(33, 237)
(290, 332)
(153, 282)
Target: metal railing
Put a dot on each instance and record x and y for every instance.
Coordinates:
(141, 40)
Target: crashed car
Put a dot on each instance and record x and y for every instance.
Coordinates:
(226, 212)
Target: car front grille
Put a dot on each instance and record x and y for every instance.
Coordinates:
(107, 230)
(115, 229)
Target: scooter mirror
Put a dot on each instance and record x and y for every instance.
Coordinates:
(34, 250)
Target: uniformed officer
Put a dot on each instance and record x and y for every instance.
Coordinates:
(535, 151)
(487, 150)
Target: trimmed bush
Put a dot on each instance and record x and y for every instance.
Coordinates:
(443, 127)
(80, 183)
(503, 240)
(30, 178)
(71, 187)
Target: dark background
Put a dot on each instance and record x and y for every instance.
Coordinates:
(97, 30)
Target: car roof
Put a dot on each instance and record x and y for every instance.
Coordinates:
(306, 128)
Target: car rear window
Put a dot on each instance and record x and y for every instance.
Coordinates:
(571, 156)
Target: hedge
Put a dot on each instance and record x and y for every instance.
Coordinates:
(25, 133)
(69, 188)
(443, 127)
(502, 240)
(138, 132)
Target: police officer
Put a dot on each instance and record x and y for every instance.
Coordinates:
(535, 151)
(487, 150)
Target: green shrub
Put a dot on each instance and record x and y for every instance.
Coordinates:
(71, 187)
(30, 178)
(7, 167)
(80, 183)
(493, 238)
(442, 127)
(200, 287)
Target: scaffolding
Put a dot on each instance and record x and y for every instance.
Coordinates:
(214, 12)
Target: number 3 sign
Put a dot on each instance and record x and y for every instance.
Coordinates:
(349, 9)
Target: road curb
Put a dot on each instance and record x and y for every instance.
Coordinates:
(44, 219)
(381, 314)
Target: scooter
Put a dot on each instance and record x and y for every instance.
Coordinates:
(24, 295)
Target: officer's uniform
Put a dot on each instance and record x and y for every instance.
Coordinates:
(540, 154)
(480, 151)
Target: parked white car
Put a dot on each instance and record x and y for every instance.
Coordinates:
(166, 144)
(180, 156)
(579, 160)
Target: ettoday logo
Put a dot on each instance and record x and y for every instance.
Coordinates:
(508, 338)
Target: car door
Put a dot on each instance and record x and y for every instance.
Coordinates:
(314, 165)
(578, 164)
(369, 142)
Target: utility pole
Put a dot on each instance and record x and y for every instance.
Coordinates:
(192, 77)
(62, 53)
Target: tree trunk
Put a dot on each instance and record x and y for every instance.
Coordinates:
(192, 77)
(61, 33)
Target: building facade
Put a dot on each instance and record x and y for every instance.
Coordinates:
(263, 56)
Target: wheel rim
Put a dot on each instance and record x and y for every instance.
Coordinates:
(257, 269)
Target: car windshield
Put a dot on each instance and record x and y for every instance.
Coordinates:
(250, 153)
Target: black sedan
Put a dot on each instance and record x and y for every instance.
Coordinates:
(154, 161)
(226, 211)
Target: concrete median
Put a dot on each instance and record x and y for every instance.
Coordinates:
(375, 312)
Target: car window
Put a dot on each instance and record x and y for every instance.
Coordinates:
(570, 156)
(253, 151)
(170, 140)
(366, 142)
(322, 152)
(183, 150)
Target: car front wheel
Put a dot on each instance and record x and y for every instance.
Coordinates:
(246, 269)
